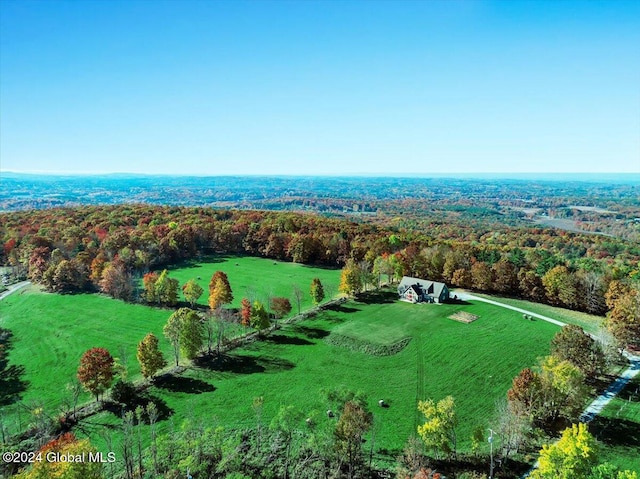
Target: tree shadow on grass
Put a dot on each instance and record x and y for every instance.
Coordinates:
(12, 384)
(312, 333)
(143, 400)
(239, 364)
(378, 297)
(282, 339)
(183, 385)
(617, 432)
(341, 309)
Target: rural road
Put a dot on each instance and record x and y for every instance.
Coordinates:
(13, 288)
(599, 403)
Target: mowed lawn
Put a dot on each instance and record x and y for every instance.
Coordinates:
(618, 428)
(259, 278)
(474, 362)
(589, 322)
(50, 333)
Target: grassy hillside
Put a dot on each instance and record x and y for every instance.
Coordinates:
(473, 362)
(589, 322)
(258, 278)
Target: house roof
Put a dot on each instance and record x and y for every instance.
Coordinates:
(408, 282)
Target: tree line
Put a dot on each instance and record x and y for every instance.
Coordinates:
(108, 248)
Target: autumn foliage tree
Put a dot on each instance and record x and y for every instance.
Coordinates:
(245, 312)
(317, 291)
(624, 318)
(192, 291)
(219, 290)
(259, 316)
(573, 456)
(65, 445)
(95, 372)
(280, 306)
(438, 432)
(149, 356)
(351, 279)
(116, 281)
(580, 349)
(354, 422)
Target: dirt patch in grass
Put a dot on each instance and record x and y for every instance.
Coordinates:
(464, 317)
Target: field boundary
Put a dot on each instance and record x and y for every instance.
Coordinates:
(367, 347)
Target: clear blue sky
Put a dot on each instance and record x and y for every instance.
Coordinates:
(330, 87)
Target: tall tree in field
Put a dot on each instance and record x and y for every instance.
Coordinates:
(166, 289)
(191, 333)
(624, 318)
(192, 291)
(563, 390)
(526, 393)
(351, 279)
(149, 286)
(149, 356)
(172, 331)
(573, 456)
(245, 312)
(116, 281)
(280, 306)
(580, 349)
(95, 372)
(317, 291)
(354, 422)
(185, 332)
(297, 294)
(259, 316)
(219, 290)
(439, 429)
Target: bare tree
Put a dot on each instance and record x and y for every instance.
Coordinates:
(298, 295)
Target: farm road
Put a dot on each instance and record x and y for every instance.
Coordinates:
(13, 288)
(599, 403)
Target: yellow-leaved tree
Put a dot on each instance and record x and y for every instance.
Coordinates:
(439, 429)
(574, 455)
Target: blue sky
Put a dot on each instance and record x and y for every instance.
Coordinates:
(330, 87)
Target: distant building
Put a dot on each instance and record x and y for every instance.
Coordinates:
(415, 290)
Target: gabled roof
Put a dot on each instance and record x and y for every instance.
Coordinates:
(429, 287)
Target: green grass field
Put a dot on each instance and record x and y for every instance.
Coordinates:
(473, 362)
(618, 428)
(589, 322)
(50, 332)
(259, 278)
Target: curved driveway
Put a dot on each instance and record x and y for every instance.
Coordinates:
(599, 403)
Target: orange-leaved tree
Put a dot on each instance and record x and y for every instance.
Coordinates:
(95, 372)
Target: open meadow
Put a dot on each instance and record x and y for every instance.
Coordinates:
(258, 278)
(386, 349)
(474, 362)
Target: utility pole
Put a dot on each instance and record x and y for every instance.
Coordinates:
(491, 452)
